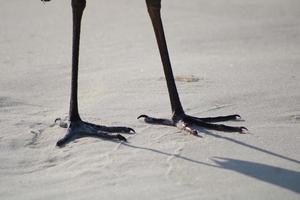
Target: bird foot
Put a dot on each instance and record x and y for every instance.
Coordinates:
(78, 129)
(186, 123)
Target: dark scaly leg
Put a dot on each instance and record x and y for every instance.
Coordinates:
(179, 118)
(77, 127)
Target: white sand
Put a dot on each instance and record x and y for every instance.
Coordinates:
(243, 55)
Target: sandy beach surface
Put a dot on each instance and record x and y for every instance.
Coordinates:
(229, 56)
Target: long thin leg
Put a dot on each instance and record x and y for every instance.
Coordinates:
(77, 9)
(154, 7)
(77, 127)
(179, 118)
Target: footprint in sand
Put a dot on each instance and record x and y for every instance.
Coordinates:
(36, 130)
(8, 102)
(34, 140)
(187, 78)
(184, 78)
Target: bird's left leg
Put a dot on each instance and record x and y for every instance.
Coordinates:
(78, 128)
(179, 118)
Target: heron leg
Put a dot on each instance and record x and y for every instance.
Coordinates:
(179, 118)
(78, 128)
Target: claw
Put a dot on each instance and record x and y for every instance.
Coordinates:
(237, 117)
(145, 116)
(68, 137)
(57, 119)
(243, 130)
(121, 138)
(131, 130)
(158, 121)
(60, 143)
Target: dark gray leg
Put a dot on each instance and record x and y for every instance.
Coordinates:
(77, 8)
(154, 12)
(77, 127)
(179, 118)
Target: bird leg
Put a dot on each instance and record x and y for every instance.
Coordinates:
(78, 128)
(179, 118)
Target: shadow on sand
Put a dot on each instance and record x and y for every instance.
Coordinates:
(281, 177)
(278, 176)
(251, 146)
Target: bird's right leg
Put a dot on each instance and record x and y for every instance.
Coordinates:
(179, 118)
(78, 128)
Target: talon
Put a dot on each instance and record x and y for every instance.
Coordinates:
(60, 143)
(238, 117)
(243, 129)
(57, 119)
(145, 116)
(131, 130)
(121, 138)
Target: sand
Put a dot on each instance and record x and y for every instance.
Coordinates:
(228, 57)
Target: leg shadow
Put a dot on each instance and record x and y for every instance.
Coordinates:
(248, 145)
(281, 177)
